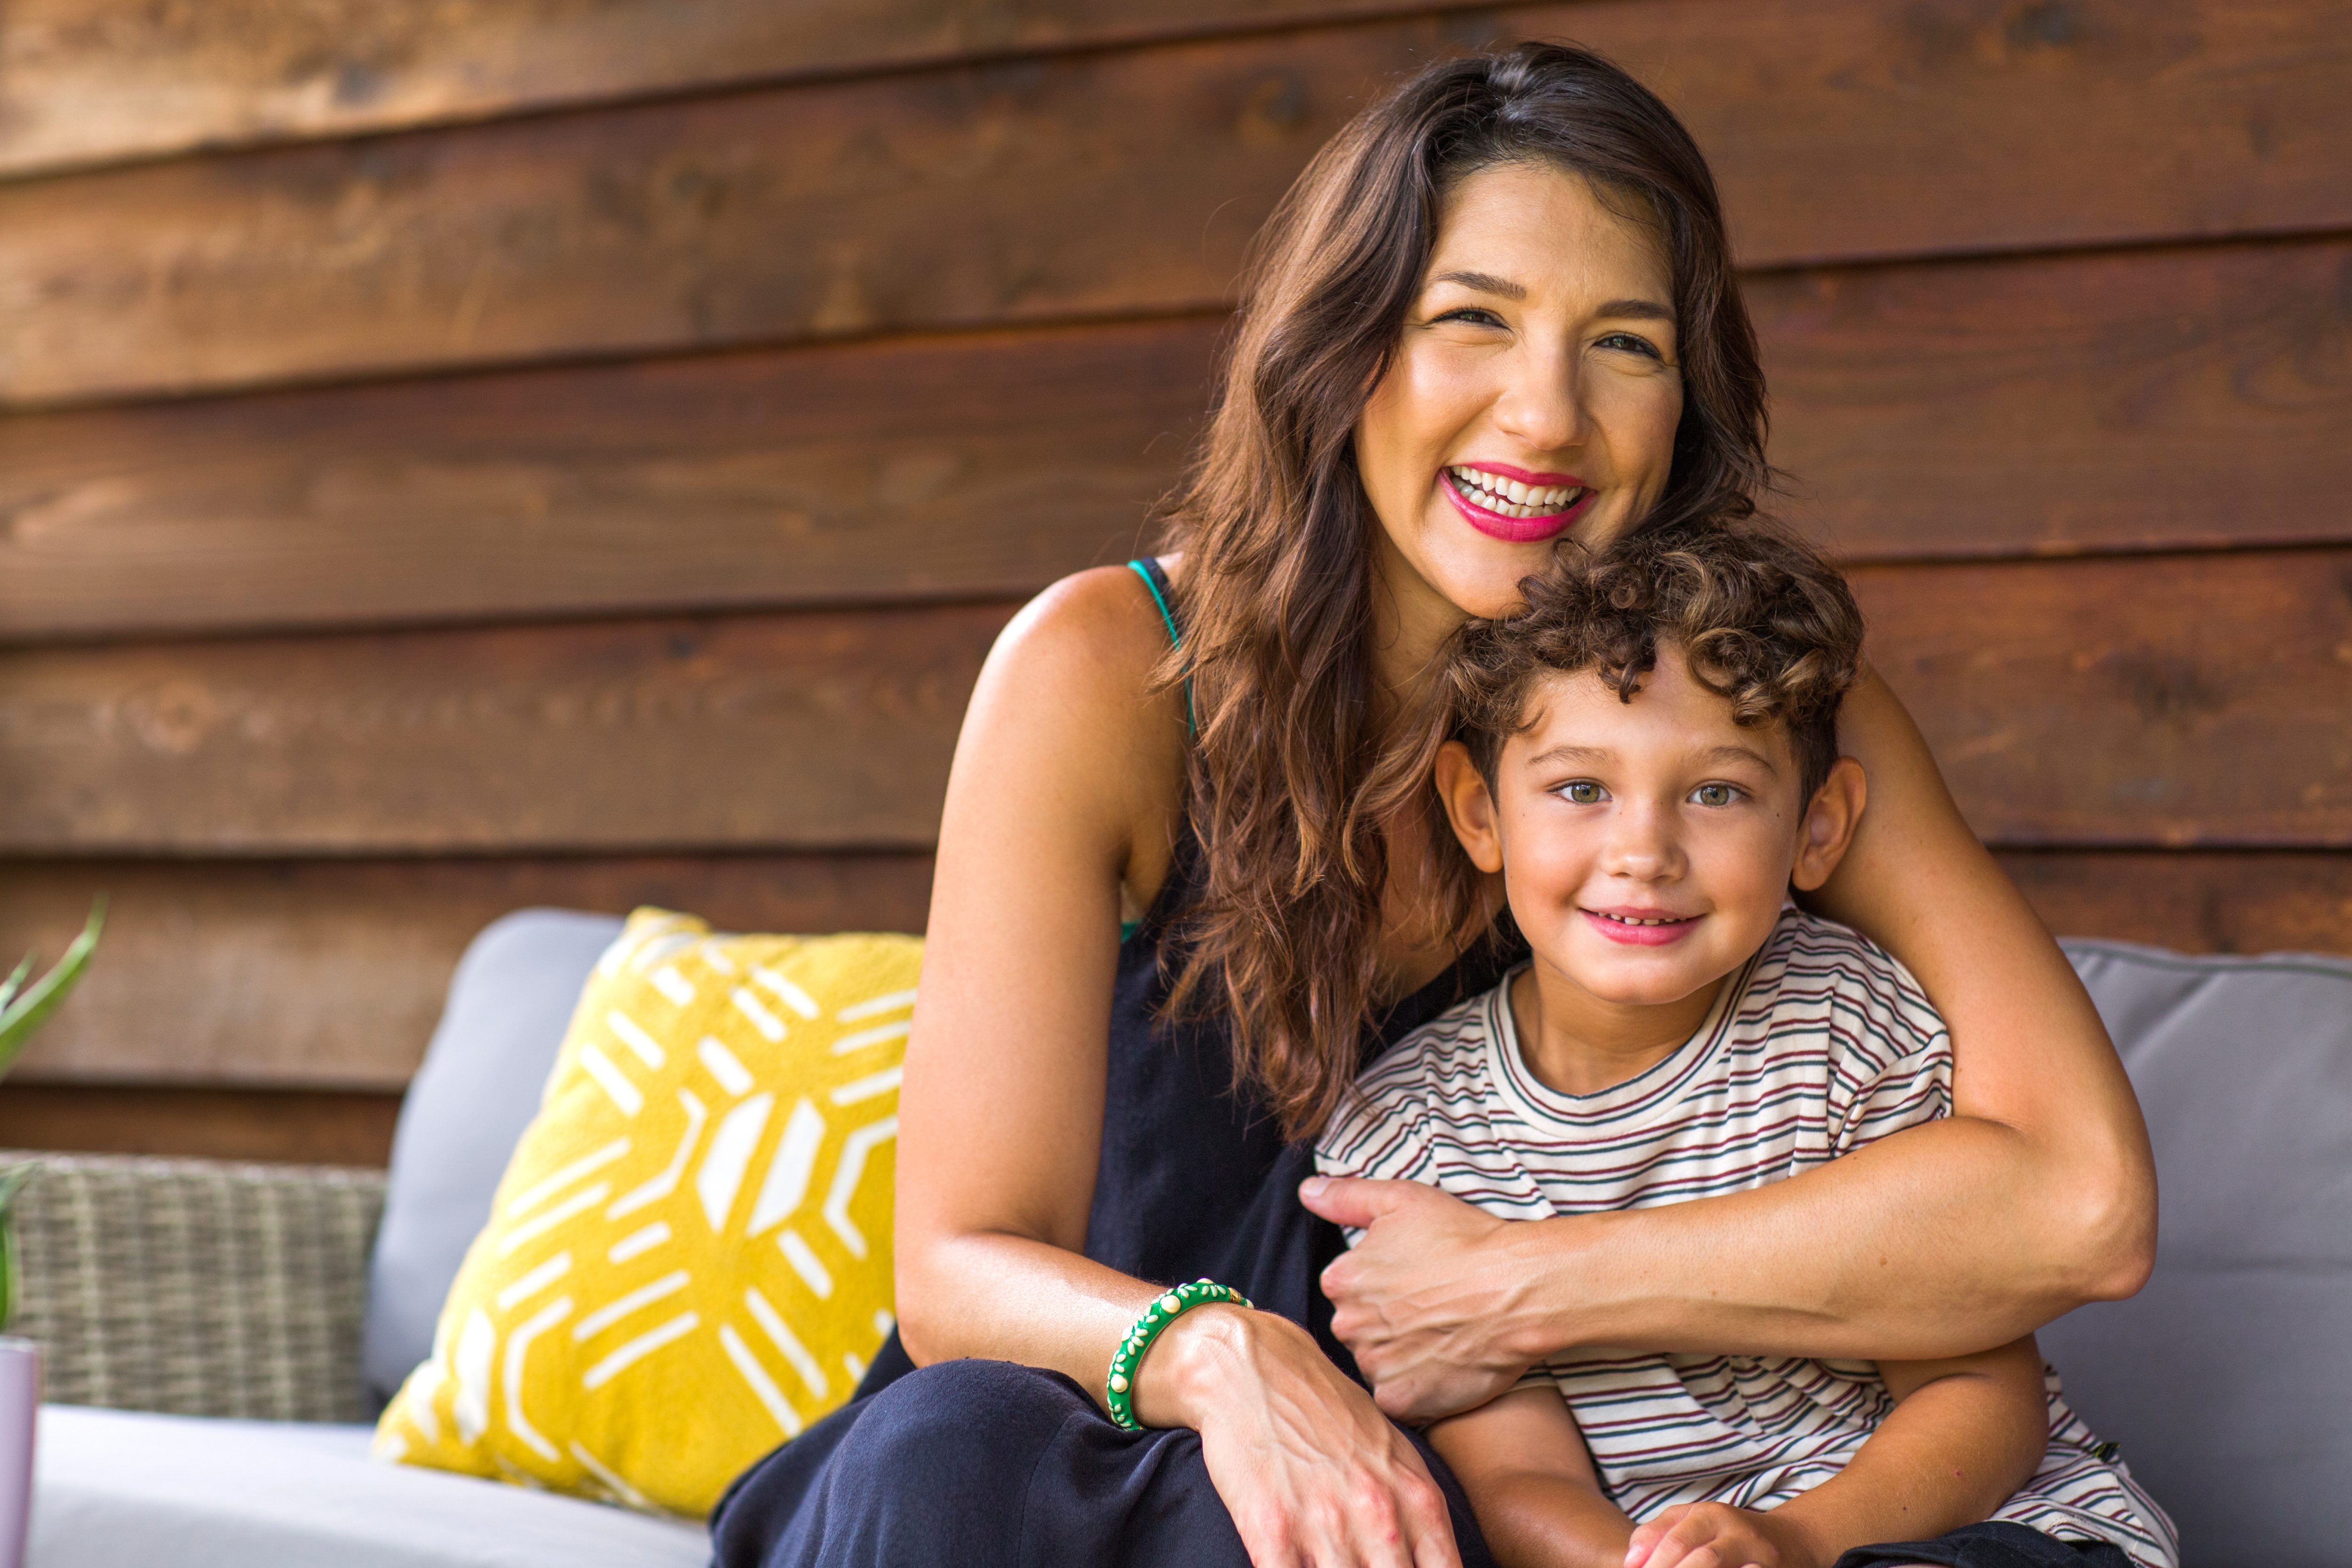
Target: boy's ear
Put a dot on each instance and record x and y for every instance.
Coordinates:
(1834, 812)
(1469, 806)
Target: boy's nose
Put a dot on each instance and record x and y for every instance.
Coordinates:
(1643, 847)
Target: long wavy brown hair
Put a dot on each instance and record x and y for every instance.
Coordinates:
(1301, 764)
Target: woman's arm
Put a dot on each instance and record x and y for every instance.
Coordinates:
(1064, 791)
(2039, 1194)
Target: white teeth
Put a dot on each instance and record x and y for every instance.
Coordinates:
(1511, 497)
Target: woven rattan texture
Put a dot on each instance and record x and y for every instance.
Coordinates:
(198, 1288)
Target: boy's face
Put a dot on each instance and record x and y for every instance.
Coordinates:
(1646, 845)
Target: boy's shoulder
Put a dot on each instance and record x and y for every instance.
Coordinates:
(1442, 1058)
(1814, 968)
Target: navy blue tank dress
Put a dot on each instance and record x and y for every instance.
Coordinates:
(981, 1463)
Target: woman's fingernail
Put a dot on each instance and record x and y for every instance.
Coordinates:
(1312, 1187)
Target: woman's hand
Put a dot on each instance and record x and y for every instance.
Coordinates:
(1421, 1301)
(1313, 1473)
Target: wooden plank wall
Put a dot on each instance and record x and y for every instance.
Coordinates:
(458, 457)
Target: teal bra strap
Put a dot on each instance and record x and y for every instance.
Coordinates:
(1156, 581)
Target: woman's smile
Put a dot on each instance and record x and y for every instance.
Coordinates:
(1512, 504)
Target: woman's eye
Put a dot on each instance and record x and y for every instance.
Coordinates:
(1628, 343)
(1474, 316)
(1714, 794)
(1583, 792)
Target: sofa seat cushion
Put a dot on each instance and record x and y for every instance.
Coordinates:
(175, 1491)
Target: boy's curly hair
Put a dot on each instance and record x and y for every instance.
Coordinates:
(1758, 615)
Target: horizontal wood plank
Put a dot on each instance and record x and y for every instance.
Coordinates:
(957, 468)
(330, 975)
(1127, 181)
(95, 82)
(2154, 701)
(2195, 901)
(2191, 398)
(824, 730)
(2143, 400)
(301, 1127)
(2174, 700)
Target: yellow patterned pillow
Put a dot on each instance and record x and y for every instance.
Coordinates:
(688, 1259)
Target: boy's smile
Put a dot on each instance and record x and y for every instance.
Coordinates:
(1646, 848)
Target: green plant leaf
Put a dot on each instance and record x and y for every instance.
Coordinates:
(12, 1284)
(10, 987)
(28, 1012)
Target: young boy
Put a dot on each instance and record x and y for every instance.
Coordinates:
(1648, 757)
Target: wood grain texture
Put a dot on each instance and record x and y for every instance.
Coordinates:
(2157, 700)
(965, 466)
(2193, 901)
(303, 1127)
(1127, 181)
(93, 81)
(330, 975)
(2175, 700)
(2197, 397)
(818, 730)
(2143, 400)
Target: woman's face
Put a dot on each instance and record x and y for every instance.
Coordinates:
(1534, 396)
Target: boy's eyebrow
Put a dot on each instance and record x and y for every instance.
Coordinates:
(1742, 753)
(1566, 752)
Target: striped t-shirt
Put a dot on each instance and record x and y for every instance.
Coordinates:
(1819, 1045)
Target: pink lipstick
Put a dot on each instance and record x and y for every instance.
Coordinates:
(1516, 530)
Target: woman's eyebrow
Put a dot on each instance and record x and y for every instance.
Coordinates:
(1484, 283)
(1640, 310)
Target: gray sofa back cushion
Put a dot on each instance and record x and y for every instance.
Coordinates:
(2228, 1380)
(510, 1002)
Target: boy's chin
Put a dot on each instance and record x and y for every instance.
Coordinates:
(1653, 979)
(1658, 993)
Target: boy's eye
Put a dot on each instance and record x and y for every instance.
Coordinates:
(1583, 792)
(1714, 794)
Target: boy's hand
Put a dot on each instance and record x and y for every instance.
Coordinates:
(1717, 1535)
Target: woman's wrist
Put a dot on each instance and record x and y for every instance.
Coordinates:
(1200, 1360)
(1558, 1290)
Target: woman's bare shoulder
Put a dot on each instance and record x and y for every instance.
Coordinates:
(1094, 639)
(1067, 694)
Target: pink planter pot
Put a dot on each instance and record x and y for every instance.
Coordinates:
(20, 1400)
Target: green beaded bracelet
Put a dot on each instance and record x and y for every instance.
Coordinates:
(1120, 1389)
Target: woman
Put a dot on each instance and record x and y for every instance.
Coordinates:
(1497, 314)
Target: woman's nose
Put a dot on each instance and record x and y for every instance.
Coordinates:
(1542, 403)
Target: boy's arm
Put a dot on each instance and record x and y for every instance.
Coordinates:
(1964, 1435)
(1521, 1462)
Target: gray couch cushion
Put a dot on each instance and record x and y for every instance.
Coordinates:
(115, 1489)
(2228, 1380)
(509, 1002)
